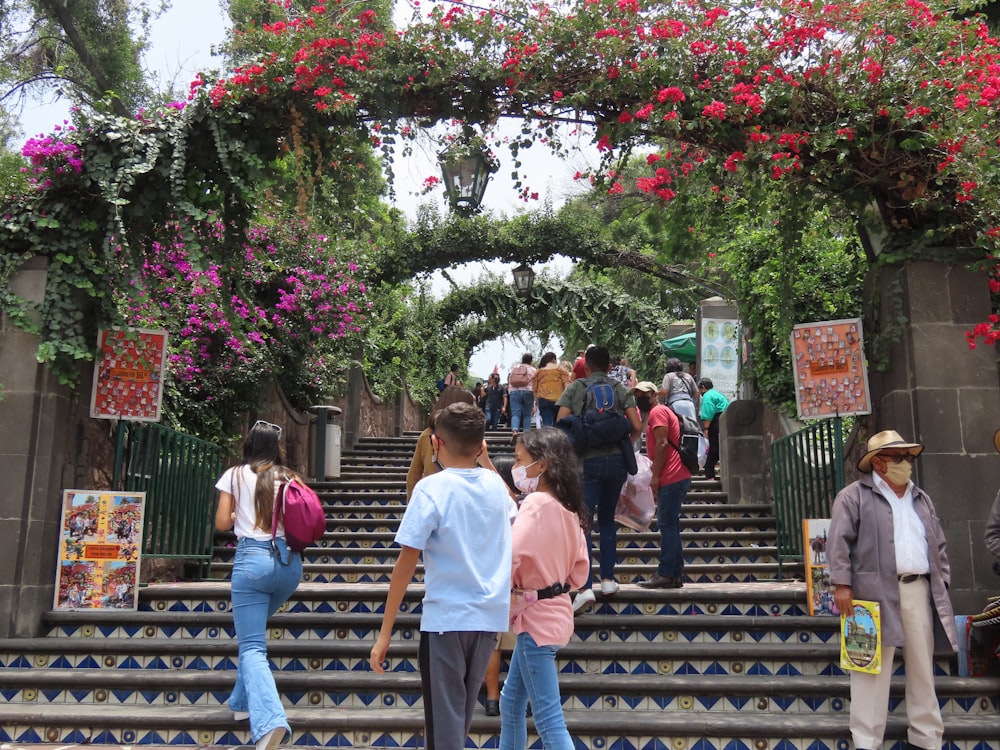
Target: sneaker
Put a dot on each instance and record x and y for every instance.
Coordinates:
(609, 587)
(583, 599)
(272, 739)
(492, 707)
(241, 715)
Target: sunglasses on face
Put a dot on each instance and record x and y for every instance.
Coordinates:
(897, 458)
(262, 423)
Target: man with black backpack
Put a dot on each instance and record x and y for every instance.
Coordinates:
(599, 402)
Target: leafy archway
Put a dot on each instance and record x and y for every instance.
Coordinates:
(575, 311)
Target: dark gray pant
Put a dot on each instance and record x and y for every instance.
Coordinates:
(452, 668)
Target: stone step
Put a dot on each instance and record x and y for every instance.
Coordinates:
(302, 657)
(785, 694)
(376, 726)
(627, 572)
(702, 539)
(696, 557)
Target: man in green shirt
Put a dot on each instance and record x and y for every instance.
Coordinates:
(713, 404)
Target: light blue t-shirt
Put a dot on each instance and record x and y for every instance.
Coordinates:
(460, 520)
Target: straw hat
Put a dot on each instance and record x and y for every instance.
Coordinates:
(645, 385)
(883, 440)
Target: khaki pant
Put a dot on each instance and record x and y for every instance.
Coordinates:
(870, 692)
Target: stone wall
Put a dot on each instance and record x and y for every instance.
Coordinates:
(939, 393)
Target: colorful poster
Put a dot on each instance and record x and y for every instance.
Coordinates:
(719, 361)
(831, 378)
(101, 539)
(861, 638)
(815, 532)
(128, 374)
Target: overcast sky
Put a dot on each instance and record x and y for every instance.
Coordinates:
(181, 45)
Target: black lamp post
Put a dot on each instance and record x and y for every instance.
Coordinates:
(466, 170)
(524, 278)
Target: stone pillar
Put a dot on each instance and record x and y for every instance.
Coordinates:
(743, 449)
(37, 418)
(940, 393)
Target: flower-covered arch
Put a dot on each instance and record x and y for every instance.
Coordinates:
(890, 107)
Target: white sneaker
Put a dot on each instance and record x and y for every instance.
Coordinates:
(583, 599)
(609, 587)
(272, 739)
(241, 715)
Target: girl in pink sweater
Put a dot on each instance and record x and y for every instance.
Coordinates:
(551, 558)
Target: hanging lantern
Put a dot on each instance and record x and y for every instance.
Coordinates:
(466, 169)
(524, 279)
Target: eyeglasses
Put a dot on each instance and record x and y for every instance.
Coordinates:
(262, 423)
(897, 458)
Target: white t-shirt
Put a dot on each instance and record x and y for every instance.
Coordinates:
(241, 482)
(460, 520)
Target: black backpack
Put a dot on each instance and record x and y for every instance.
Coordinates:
(688, 449)
(600, 424)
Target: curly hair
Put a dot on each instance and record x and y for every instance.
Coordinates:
(564, 474)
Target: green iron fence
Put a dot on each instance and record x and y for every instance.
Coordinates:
(807, 471)
(177, 472)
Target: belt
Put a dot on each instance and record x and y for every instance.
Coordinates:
(911, 577)
(554, 590)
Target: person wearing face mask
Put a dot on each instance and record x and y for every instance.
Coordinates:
(551, 557)
(645, 397)
(886, 545)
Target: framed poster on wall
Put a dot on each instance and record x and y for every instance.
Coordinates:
(128, 374)
(831, 377)
(99, 549)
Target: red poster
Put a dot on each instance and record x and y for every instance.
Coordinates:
(128, 374)
(831, 378)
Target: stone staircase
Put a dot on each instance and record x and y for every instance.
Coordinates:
(730, 662)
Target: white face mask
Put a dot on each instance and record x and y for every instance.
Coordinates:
(898, 474)
(522, 481)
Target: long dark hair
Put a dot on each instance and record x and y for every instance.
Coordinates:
(563, 474)
(263, 453)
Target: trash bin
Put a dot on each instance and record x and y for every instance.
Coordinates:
(328, 442)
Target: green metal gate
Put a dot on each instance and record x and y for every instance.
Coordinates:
(807, 471)
(177, 472)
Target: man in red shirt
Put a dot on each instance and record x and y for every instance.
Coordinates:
(670, 483)
(579, 365)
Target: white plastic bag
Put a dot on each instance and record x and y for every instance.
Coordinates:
(702, 451)
(636, 504)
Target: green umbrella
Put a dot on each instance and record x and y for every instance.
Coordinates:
(684, 347)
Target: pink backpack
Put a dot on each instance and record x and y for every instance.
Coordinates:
(302, 513)
(520, 376)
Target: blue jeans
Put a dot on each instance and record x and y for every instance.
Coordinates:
(260, 585)
(492, 416)
(603, 478)
(668, 511)
(547, 411)
(521, 405)
(532, 675)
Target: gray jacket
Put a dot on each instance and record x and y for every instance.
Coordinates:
(861, 555)
(992, 535)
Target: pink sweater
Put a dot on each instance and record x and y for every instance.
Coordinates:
(549, 547)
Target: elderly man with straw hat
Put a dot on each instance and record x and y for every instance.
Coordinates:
(886, 545)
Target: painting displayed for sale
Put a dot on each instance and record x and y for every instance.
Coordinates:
(101, 539)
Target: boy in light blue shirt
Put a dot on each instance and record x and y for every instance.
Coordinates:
(459, 519)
